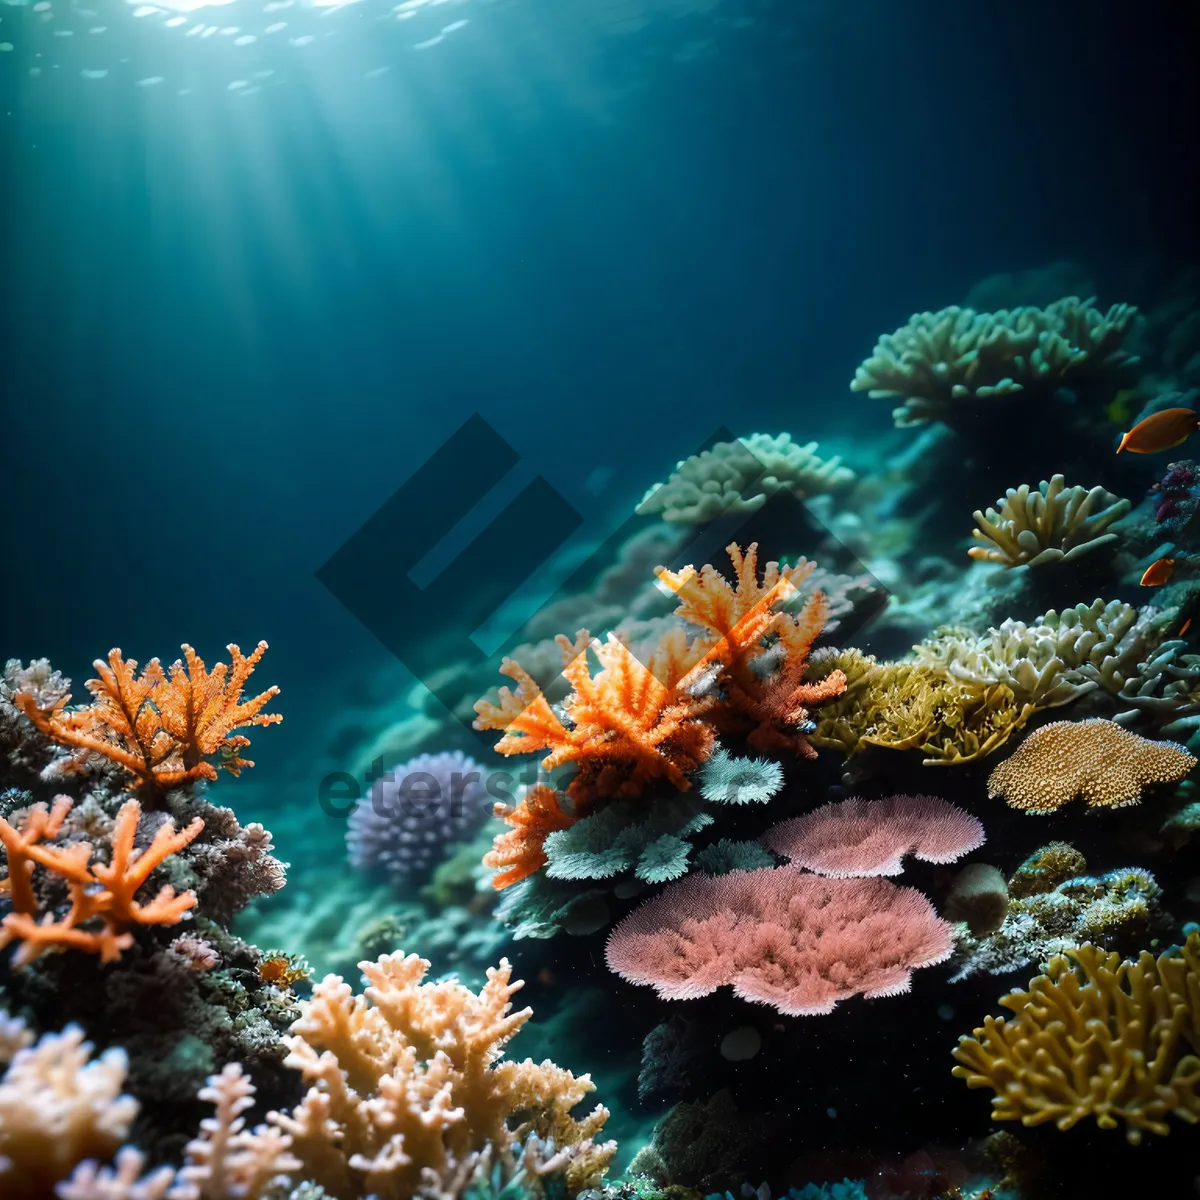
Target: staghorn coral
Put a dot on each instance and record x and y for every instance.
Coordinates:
(160, 726)
(944, 364)
(1095, 1037)
(871, 837)
(408, 1080)
(627, 725)
(25, 752)
(797, 942)
(1050, 523)
(1117, 910)
(764, 690)
(59, 1106)
(1096, 759)
(738, 476)
(103, 891)
(414, 812)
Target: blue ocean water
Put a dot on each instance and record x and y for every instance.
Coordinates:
(261, 262)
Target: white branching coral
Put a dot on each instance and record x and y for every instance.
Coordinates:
(408, 1081)
(1050, 523)
(59, 1106)
(738, 476)
(941, 364)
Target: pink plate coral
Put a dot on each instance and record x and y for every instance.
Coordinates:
(870, 837)
(797, 942)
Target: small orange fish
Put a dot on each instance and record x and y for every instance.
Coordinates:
(1161, 431)
(1158, 572)
(1186, 626)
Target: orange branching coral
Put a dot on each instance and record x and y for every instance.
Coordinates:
(628, 724)
(772, 706)
(97, 891)
(735, 620)
(162, 726)
(517, 854)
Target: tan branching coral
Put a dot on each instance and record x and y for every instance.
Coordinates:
(409, 1080)
(1050, 523)
(944, 364)
(102, 894)
(1097, 1037)
(738, 476)
(161, 726)
(1096, 759)
(59, 1106)
(227, 1159)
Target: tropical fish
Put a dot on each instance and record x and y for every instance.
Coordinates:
(1158, 572)
(1161, 431)
(1186, 626)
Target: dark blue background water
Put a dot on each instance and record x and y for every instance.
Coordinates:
(233, 325)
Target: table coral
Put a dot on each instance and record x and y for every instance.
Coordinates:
(797, 942)
(738, 476)
(858, 837)
(1095, 759)
(1097, 1037)
(103, 891)
(408, 1081)
(161, 726)
(1049, 523)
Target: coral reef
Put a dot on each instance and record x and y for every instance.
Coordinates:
(1095, 759)
(738, 476)
(1096, 1037)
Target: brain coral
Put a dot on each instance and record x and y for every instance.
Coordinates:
(870, 837)
(1096, 759)
(797, 942)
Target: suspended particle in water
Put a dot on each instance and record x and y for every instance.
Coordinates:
(98, 73)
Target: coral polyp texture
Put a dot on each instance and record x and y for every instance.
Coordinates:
(1050, 523)
(1096, 1037)
(797, 942)
(871, 837)
(738, 476)
(415, 812)
(1097, 760)
(946, 365)
(161, 726)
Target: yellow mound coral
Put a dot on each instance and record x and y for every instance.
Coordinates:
(1096, 759)
(1098, 1037)
(408, 1082)
(161, 726)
